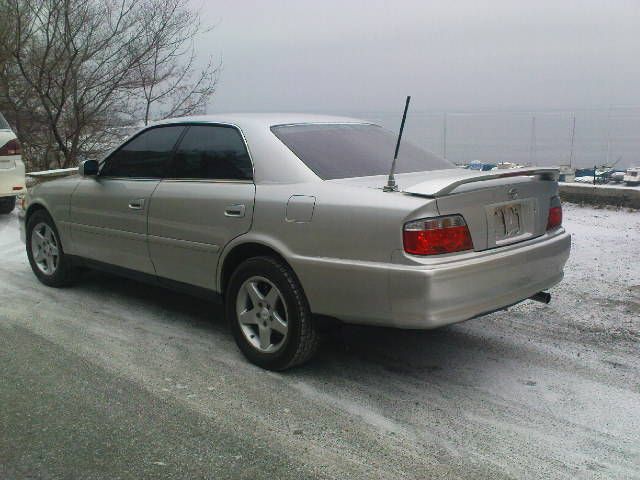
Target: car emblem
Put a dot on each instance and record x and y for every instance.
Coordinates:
(513, 193)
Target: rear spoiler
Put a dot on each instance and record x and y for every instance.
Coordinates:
(438, 187)
(60, 172)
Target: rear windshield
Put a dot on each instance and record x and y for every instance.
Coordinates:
(3, 123)
(354, 150)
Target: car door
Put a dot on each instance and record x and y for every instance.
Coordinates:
(206, 200)
(108, 212)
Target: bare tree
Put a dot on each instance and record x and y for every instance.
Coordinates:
(171, 85)
(77, 69)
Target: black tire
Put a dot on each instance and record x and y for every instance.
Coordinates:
(65, 272)
(302, 339)
(7, 204)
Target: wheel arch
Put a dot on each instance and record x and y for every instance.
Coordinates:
(241, 252)
(33, 208)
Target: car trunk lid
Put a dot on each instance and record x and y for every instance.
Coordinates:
(500, 207)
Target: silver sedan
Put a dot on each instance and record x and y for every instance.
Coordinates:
(283, 217)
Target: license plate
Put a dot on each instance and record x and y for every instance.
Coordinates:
(508, 221)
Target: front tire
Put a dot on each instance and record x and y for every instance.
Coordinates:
(46, 255)
(7, 204)
(269, 314)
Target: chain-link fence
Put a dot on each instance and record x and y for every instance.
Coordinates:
(606, 136)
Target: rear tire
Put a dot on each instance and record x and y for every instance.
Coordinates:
(269, 314)
(44, 249)
(7, 204)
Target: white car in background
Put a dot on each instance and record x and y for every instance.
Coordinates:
(12, 181)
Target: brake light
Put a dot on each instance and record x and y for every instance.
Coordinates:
(12, 147)
(555, 214)
(433, 236)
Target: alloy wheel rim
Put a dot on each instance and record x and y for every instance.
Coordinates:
(44, 248)
(262, 314)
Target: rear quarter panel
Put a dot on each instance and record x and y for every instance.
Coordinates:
(343, 254)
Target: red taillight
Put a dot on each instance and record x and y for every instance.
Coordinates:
(555, 214)
(12, 147)
(433, 236)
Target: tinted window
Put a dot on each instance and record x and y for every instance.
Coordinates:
(354, 150)
(212, 152)
(3, 123)
(146, 156)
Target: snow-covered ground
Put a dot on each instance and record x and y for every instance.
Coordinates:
(540, 391)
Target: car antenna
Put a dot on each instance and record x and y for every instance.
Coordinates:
(391, 185)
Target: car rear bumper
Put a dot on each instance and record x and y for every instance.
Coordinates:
(433, 296)
(12, 180)
(424, 293)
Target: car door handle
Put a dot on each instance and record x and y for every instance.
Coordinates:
(137, 204)
(234, 211)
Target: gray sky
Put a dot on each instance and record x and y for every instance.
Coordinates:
(366, 55)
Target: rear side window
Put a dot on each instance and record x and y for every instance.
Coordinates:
(3, 123)
(212, 153)
(145, 156)
(354, 150)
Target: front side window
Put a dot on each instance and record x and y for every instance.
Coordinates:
(354, 150)
(145, 156)
(212, 153)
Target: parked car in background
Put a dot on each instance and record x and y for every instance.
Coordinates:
(284, 218)
(617, 176)
(12, 181)
(585, 179)
(632, 176)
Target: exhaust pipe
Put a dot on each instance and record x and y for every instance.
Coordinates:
(542, 297)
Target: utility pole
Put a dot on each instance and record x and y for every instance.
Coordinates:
(608, 137)
(532, 141)
(573, 139)
(444, 135)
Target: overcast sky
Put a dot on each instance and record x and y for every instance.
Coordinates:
(366, 55)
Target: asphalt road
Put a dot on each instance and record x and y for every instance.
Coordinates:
(112, 379)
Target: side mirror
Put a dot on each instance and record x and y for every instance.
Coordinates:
(89, 168)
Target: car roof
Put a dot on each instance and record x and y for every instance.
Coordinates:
(244, 120)
(273, 161)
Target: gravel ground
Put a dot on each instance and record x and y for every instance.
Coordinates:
(114, 379)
